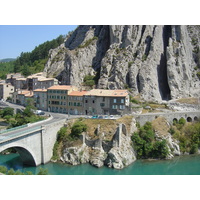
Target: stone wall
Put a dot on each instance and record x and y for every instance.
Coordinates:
(188, 116)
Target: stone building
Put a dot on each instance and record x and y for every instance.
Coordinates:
(76, 102)
(21, 96)
(106, 102)
(6, 90)
(11, 78)
(39, 81)
(40, 99)
(57, 96)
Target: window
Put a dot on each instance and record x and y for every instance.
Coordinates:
(122, 107)
(114, 100)
(93, 101)
(102, 104)
(86, 101)
(114, 106)
(74, 103)
(122, 100)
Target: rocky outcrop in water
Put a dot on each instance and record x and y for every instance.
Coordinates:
(118, 153)
(157, 62)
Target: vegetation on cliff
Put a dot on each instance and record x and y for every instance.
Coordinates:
(6, 68)
(68, 136)
(188, 135)
(30, 62)
(146, 145)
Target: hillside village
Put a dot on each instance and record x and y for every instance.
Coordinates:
(48, 95)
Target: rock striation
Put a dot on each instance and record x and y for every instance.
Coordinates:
(156, 62)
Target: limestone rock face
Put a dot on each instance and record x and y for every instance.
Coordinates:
(121, 156)
(157, 62)
(118, 154)
(76, 155)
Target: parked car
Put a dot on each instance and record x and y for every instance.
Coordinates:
(106, 117)
(95, 117)
(100, 117)
(111, 117)
(40, 112)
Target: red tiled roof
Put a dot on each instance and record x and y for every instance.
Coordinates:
(40, 90)
(60, 87)
(77, 93)
(108, 93)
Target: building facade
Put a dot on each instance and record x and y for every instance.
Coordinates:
(6, 90)
(22, 96)
(76, 102)
(57, 96)
(106, 102)
(40, 99)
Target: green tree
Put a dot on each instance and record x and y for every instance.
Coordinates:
(78, 128)
(7, 111)
(146, 145)
(61, 133)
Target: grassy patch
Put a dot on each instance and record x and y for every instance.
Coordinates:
(188, 100)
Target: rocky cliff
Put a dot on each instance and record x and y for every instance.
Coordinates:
(117, 153)
(156, 62)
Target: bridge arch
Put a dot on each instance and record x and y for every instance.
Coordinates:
(196, 118)
(189, 119)
(25, 154)
(175, 121)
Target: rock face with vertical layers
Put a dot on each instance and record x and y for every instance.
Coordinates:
(156, 62)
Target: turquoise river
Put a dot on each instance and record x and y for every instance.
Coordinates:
(182, 165)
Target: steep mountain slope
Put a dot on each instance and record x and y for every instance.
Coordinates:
(157, 62)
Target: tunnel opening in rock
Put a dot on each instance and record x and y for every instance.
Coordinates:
(164, 89)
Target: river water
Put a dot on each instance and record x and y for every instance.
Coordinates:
(182, 165)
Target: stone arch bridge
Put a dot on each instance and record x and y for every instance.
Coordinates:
(170, 116)
(34, 143)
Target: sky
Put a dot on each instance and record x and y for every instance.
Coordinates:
(15, 39)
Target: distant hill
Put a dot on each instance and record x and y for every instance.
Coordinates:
(7, 60)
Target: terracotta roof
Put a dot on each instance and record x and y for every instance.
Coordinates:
(20, 79)
(28, 95)
(108, 93)
(23, 92)
(60, 87)
(77, 93)
(45, 79)
(40, 90)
